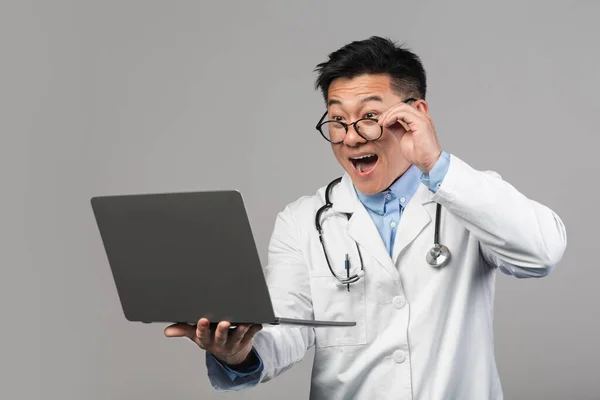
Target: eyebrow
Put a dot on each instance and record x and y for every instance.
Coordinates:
(371, 98)
(362, 101)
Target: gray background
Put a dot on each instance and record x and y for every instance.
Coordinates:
(137, 96)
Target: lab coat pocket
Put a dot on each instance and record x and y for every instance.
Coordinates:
(333, 302)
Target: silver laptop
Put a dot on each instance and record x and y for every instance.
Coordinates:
(178, 257)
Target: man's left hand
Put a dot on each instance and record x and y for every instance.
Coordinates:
(415, 130)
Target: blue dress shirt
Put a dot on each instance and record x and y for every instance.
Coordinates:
(385, 209)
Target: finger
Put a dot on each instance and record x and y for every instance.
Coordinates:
(400, 122)
(393, 121)
(410, 108)
(180, 330)
(408, 120)
(221, 333)
(391, 110)
(403, 115)
(236, 336)
(203, 333)
(254, 329)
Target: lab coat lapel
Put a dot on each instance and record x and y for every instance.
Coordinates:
(413, 220)
(361, 227)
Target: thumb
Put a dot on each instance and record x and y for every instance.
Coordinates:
(181, 330)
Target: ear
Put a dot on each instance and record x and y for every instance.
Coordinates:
(422, 106)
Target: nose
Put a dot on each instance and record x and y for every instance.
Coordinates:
(352, 138)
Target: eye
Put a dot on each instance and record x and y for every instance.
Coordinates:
(370, 115)
(337, 118)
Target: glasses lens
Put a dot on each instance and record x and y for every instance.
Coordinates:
(369, 129)
(333, 131)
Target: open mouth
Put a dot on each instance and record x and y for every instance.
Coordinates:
(364, 164)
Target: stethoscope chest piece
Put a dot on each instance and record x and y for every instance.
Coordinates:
(438, 256)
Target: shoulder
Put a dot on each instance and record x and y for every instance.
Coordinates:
(297, 218)
(460, 168)
(308, 203)
(302, 211)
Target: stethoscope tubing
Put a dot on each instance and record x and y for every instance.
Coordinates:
(438, 256)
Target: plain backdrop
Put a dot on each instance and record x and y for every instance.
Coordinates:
(107, 97)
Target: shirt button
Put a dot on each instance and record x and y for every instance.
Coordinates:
(399, 356)
(399, 302)
(380, 212)
(388, 196)
(402, 199)
(393, 224)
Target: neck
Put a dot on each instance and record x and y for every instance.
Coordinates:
(396, 179)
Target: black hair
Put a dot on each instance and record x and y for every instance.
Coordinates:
(375, 55)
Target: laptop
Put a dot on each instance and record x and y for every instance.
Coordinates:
(179, 257)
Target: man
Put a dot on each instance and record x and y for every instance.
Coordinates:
(422, 331)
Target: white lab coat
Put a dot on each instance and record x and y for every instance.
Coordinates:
(421, 332)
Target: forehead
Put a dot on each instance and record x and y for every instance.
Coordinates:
(350, 90)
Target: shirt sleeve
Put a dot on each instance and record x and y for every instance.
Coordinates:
(436, 176)
(220, 370)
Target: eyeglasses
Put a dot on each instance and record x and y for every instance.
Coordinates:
(367, 128)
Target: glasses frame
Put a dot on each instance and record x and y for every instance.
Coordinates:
(346, 126)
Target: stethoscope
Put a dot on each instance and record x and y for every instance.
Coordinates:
(437, 256)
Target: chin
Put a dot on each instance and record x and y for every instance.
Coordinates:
(367, 186)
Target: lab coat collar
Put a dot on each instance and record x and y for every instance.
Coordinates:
(402, 191)
(345, 199)
(363, 230)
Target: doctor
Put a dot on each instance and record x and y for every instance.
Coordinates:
(423, 331)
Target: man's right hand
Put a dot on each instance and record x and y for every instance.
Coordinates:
(232, 346)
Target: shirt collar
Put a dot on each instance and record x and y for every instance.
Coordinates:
(402, 190)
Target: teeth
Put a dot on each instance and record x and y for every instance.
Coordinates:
(365, 156)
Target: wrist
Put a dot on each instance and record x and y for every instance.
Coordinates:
(249, 361)
(428, 166)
